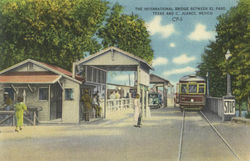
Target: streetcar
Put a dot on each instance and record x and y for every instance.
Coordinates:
(191, 92)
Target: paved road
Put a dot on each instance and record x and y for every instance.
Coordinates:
(116, 139)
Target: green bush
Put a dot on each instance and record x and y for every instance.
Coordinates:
(243, 106)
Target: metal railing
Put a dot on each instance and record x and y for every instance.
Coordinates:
(119, 104)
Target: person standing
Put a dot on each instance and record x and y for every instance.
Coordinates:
(137, 110)
(87, 101)
(20, 107)
(95, 105)
(117, 95)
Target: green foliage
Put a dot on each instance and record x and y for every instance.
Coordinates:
(233, 33)
(53, 31)
(127, 32)
(211, 59)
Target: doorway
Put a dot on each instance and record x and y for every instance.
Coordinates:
(55, 101)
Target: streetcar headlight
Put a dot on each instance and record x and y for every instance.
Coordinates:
(192, 100)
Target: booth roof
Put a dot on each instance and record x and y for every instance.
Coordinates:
(29, 77)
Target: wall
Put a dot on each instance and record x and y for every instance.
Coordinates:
(32, 99)
(144, 77)
(114, 58)
(26, 67)
(70, 108)
(215, 105)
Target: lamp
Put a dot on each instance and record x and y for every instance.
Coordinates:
(227, 56)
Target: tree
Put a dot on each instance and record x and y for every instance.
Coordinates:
(53, 31)
(233, 33)
(211, 59)
(127, 32)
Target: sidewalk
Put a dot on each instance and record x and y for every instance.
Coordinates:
(241, 120)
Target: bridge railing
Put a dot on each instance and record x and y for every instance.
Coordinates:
(215, 105)
(224, 107)
(119, 104)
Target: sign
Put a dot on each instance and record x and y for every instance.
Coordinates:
(229, 106)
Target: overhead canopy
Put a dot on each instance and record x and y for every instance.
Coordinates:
(154, 79)
(28, 77)
(114, 59)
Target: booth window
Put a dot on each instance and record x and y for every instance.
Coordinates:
(43, 93)
(69, 94)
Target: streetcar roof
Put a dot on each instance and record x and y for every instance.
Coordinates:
(191, 78)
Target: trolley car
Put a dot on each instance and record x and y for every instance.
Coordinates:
(191, 92)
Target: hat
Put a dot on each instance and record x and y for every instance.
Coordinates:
(6, 93)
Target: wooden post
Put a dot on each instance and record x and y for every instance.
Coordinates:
(34, 118)
(143, 102)
(105, 97)
(138, 79)
(13, 120)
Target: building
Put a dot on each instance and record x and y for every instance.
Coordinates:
(49, 87)
(96, 66)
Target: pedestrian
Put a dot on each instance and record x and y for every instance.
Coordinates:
(87, 101)
(95, 105)
(137, 110)
(117, 95)
(20, 107)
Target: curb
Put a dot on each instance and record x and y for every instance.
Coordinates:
(241, 120)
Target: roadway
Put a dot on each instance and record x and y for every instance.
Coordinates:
(115, 139)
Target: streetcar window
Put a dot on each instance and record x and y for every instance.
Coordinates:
(201, 88)
(192, 88)
(184, 88)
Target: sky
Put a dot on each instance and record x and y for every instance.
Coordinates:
(179, 30)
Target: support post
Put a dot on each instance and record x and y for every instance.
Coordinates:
(73, 70)
(138, 79)
(229, 91)
(34, 118)
(106, 97)
(148, 113)
(13, 120)
(143, 102)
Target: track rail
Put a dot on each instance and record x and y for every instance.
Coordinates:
(222, 138)
(214, 129)
(181, 136)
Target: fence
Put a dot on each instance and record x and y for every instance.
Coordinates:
(119, 104)
(8, 118)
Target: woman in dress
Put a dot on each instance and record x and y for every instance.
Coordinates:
(20, 107)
